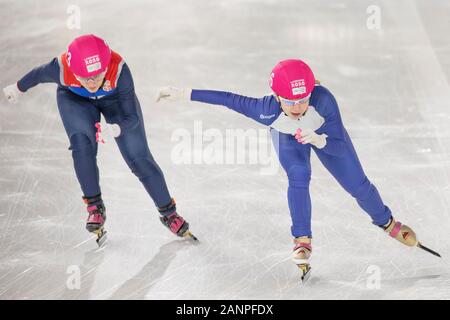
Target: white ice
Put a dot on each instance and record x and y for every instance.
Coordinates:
(392, 85)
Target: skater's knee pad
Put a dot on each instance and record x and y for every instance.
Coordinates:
(363, 190)
(144, 167)
(299, 176)
(81, 144)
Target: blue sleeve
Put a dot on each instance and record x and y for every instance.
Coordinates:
(128, 99)
(333, 126)
(263, 110)
(47, 73)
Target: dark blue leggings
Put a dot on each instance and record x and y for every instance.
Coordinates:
(79, 116)
(346, 169)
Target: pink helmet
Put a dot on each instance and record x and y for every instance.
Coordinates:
(88, 56)
(292, 79)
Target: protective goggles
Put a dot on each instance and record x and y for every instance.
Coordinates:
(291, 103)
(96, 78)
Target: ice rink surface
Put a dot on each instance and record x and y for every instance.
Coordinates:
(392, 85)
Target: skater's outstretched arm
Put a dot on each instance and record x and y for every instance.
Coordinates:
(46, 73)
(263, 110)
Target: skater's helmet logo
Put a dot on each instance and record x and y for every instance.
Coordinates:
(93, 63)
(298, 87)
(272, 75)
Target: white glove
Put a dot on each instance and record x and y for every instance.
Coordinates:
(106, 130)
(12, 93)
(174, 94)
(309, 136)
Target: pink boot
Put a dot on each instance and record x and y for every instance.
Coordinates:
(97, 213)
(174, 222)
(96, 218)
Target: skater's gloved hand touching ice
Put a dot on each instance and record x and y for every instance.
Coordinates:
(309, 136)
(174, 94)
(106, 131)
(12, 93)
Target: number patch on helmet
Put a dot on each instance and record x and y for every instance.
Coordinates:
(93, 63)
(298, 87)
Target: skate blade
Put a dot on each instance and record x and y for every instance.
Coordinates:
(306, 272)
(189, 235)
(421, 246)
(101, 237)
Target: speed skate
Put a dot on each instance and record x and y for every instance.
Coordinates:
(301, 256)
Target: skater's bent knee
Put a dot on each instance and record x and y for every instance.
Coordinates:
(80, 143)
(299, 176)
(145, 167)
(363, 190)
